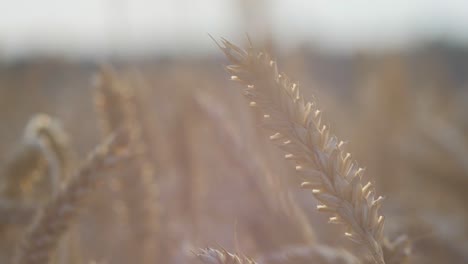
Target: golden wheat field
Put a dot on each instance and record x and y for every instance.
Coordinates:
(249, 156)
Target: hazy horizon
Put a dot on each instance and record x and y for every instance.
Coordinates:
(102, 27)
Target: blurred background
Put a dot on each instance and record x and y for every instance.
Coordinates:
(391, 77)
(90, 28)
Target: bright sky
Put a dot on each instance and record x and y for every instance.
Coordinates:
(109, 26)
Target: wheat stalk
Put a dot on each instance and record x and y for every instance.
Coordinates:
(214, 256)
(21, 172)
(43, 150)
(35, 172)
(254, 167)
(49, 131)
(56, 216)
(145, 205)
(397, 251)
(331, 174)
(118, 105)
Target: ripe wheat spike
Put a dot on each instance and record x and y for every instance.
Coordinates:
(332, 175)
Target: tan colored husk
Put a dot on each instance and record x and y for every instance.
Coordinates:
(327, 170)
(55, 217)
(214, 256)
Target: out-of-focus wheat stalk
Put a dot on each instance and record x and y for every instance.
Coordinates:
(56, 216)
(397, 251)
(51, 133)
(44, 150)
(214, 256)
(118, 105)
(56, 149)
(191, 188)
(23, 169)
(108, 100)
(331, 174)
(255, 167)
(36, 171)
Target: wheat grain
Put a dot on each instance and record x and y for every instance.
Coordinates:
(331, 174)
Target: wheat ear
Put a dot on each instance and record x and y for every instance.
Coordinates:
(55, 217)
(214, 256)
(331, 174)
